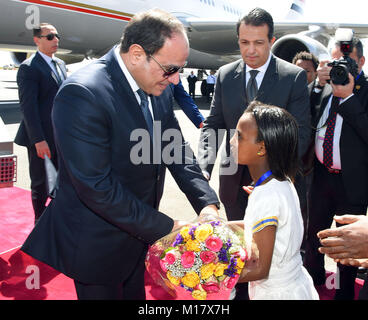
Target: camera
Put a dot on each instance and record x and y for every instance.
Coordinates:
(341, 68)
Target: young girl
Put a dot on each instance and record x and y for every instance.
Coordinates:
(267, 142)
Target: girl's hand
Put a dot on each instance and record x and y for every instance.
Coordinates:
(248, 189)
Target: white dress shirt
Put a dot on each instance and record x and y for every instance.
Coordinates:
(320, 136)
(48, 59)
(260, 75)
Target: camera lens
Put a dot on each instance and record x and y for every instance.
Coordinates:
(339, 74)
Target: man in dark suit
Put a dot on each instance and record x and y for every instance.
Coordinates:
(105, 213)
(280, 83)
(39, 78)
(192, 79)
(275, 82)
(340, 181)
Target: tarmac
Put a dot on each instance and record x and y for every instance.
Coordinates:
(173, 203)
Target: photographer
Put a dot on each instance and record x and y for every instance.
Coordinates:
(340, 181)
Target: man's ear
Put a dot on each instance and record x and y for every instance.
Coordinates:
(36, 40)
(136, 54)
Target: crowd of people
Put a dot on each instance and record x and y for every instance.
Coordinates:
(299, 143)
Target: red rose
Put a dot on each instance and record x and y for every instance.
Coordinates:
(211, 287)
(207, 257)
(230, 282)
(187, 259)
(170, 258)
(214, 243)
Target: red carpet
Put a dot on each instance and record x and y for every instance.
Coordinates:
(19, 272)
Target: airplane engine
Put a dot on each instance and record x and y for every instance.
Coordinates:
(18, 57)
(288, 46)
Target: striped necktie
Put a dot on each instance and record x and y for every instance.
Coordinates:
(58, 76)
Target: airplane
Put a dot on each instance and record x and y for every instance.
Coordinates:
(89, 28)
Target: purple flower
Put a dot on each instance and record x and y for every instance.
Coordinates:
(215, 223)
(191, 232)
(228, 244)
(178, 240)
(222, 255)
(231, 270)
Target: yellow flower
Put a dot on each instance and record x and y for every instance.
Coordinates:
(191, 279)
(203, 232)
(220, 268)
(240, 263)
(193, 245)
(185, 233)
(199, 294)
(173, 280)
(207, 270)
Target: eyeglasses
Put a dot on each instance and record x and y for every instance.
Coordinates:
(168, 71)
(50, 36)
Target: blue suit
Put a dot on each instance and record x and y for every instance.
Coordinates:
(105, 213)
(187, 104)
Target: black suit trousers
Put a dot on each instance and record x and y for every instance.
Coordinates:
(37, 174)
(328, 198)
(131, 289)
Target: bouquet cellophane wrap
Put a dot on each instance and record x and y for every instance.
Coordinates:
(203, 260)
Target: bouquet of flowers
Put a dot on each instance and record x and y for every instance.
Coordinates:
(200, 261)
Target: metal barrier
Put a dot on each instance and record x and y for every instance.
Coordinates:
(8, 161)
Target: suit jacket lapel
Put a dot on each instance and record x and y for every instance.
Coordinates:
(327, 91)
(126, 97)
(45, 67)
(238, 87)
(269, 80)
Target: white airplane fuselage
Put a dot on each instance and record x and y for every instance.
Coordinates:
(91, 28)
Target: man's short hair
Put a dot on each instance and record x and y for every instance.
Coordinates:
(306, 56)
(257, 17)
(37, 31)
(150, 30)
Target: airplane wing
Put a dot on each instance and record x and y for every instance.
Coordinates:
(219, 37)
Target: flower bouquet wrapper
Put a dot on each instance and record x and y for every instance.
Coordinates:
(203, 260)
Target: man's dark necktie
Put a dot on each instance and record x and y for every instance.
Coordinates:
(328, 141)
(145, 110)
(58, 76)
(252, 87)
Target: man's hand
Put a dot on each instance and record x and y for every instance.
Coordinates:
(42, 148)
(346, 242)
(206, 175)
(345, 91)
(210, 210)
(323, 73)
(179, 224)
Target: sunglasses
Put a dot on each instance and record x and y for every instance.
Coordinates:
(50, 36)
(168, 71)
